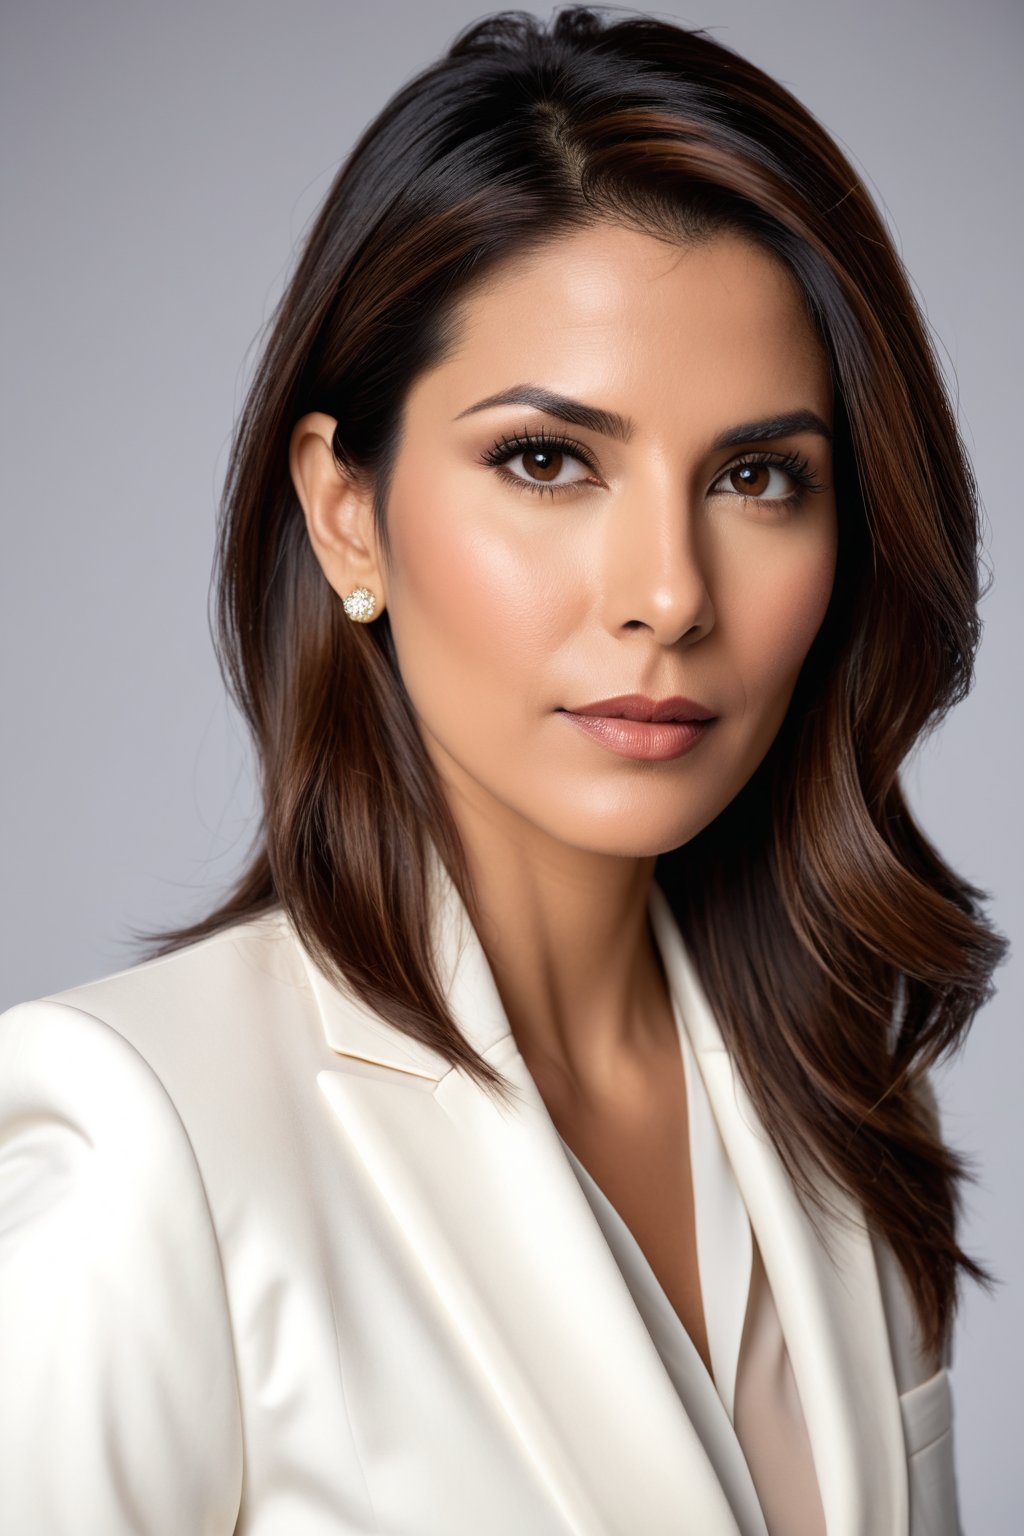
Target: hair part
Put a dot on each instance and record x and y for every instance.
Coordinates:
(841, 954)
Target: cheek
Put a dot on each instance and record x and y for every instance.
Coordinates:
(776, 610)
(472, 609)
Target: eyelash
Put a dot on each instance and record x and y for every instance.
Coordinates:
(527, 442)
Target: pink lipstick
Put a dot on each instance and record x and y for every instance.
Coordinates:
(633, 725)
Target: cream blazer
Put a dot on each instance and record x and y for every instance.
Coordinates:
(269, 1267)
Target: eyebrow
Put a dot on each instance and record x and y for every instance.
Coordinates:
(610, 424)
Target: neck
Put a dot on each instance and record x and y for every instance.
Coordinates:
(566, 934)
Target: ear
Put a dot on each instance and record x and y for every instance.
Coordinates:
(338, 509)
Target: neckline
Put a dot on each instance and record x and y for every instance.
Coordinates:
(723, 1230)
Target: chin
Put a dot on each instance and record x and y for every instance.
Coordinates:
(625, 835)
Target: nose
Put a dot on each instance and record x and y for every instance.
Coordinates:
(655, 571)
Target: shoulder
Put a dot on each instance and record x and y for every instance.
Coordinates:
(102, 1069)
(200, 1056)
(177, 1012)
(238, 961)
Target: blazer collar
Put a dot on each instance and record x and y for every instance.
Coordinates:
(353, 1029)
(494, 1214)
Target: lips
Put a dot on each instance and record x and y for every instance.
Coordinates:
(637, 706)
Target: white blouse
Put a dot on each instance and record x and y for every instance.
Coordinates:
(749, 1415)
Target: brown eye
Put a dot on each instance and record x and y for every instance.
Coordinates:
(543, 464)
(534, 462)
(778, 481)
(750, 479)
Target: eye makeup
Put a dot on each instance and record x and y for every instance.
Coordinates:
(544, 443)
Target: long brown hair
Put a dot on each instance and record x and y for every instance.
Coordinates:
(842, 955)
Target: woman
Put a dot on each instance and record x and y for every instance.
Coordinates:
(540, 1137)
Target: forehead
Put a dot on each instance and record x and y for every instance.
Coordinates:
(608, 313)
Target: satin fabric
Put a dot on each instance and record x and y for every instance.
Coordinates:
(749, 1411)
(271, 1267)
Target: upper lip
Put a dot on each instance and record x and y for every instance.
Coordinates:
(637, 706)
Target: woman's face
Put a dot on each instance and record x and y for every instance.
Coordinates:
(541, 565)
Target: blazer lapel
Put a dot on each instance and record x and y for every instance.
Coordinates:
(500, 1230)
(831, 1315)
(503, 1236)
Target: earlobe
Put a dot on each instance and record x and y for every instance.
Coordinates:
(338, 508)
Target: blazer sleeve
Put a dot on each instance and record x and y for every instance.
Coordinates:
(119, 1408)
(925, 1390)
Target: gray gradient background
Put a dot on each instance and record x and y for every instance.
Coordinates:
(159, 166)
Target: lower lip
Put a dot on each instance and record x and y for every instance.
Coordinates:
(655, 741)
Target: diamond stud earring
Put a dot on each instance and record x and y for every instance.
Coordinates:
(360, 605)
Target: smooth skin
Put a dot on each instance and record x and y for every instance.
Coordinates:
(660, 565)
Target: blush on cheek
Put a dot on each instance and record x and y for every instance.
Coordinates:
(463, 608)
(796, 625)
(781, 625)
(481, 582)
(809, 587)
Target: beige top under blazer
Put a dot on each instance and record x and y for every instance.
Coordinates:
(270, 1268)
